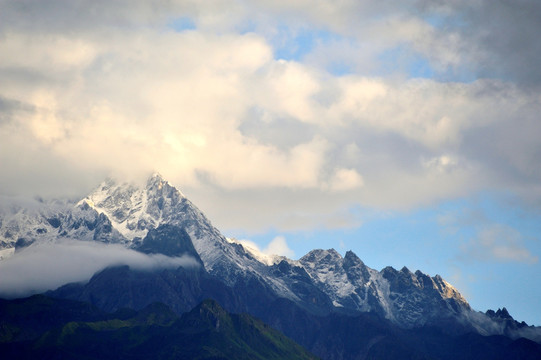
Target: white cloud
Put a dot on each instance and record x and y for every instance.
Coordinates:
(499, 243)
(443, 163)
(345, 179)
(46, 266)
(124, 93)
(49, 52)
(277, 246)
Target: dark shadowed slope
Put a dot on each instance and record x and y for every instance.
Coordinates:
(45, 328)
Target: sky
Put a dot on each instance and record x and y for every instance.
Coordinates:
(406, 131)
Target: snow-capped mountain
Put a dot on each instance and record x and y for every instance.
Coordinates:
(133, 210)
(46, 221)
(406, 298)
(321, 282)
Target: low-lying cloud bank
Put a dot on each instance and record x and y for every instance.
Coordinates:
(42, 267)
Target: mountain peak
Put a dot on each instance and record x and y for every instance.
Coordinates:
(133, 209)
(157, 186)
(320, 255)
(157, 175)
(499, 314)
(157, 181)
(155, 218)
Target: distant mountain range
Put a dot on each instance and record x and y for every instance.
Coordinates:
(336, 307)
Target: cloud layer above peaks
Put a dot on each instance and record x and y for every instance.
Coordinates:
(327, 105)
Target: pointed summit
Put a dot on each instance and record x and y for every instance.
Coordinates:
(132, 209)
(156, 175)
(157, 181)
(135, 210)
(159, 188)
(318, 256)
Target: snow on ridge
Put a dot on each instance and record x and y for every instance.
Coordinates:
(28, 222)
(158, 180)
(133, 210)
(383, 290)
(326, 267)
(135, 198)
(128, 205)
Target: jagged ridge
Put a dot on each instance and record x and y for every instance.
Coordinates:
(321, 282)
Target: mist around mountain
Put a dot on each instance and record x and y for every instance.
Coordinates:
(125, 246)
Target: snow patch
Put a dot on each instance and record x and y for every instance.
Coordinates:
(383, 290)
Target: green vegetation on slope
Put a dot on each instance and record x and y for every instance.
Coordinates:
(206, 332)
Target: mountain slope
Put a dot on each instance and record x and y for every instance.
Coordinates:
(368, 336)
(81, 332)
(321, 291)
(43, 327)
(405, 298)
(48, 221)
(158, 218)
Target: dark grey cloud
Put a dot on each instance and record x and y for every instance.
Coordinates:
(9, 107)
(498, 38)
(82, 15)
(507, 36)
